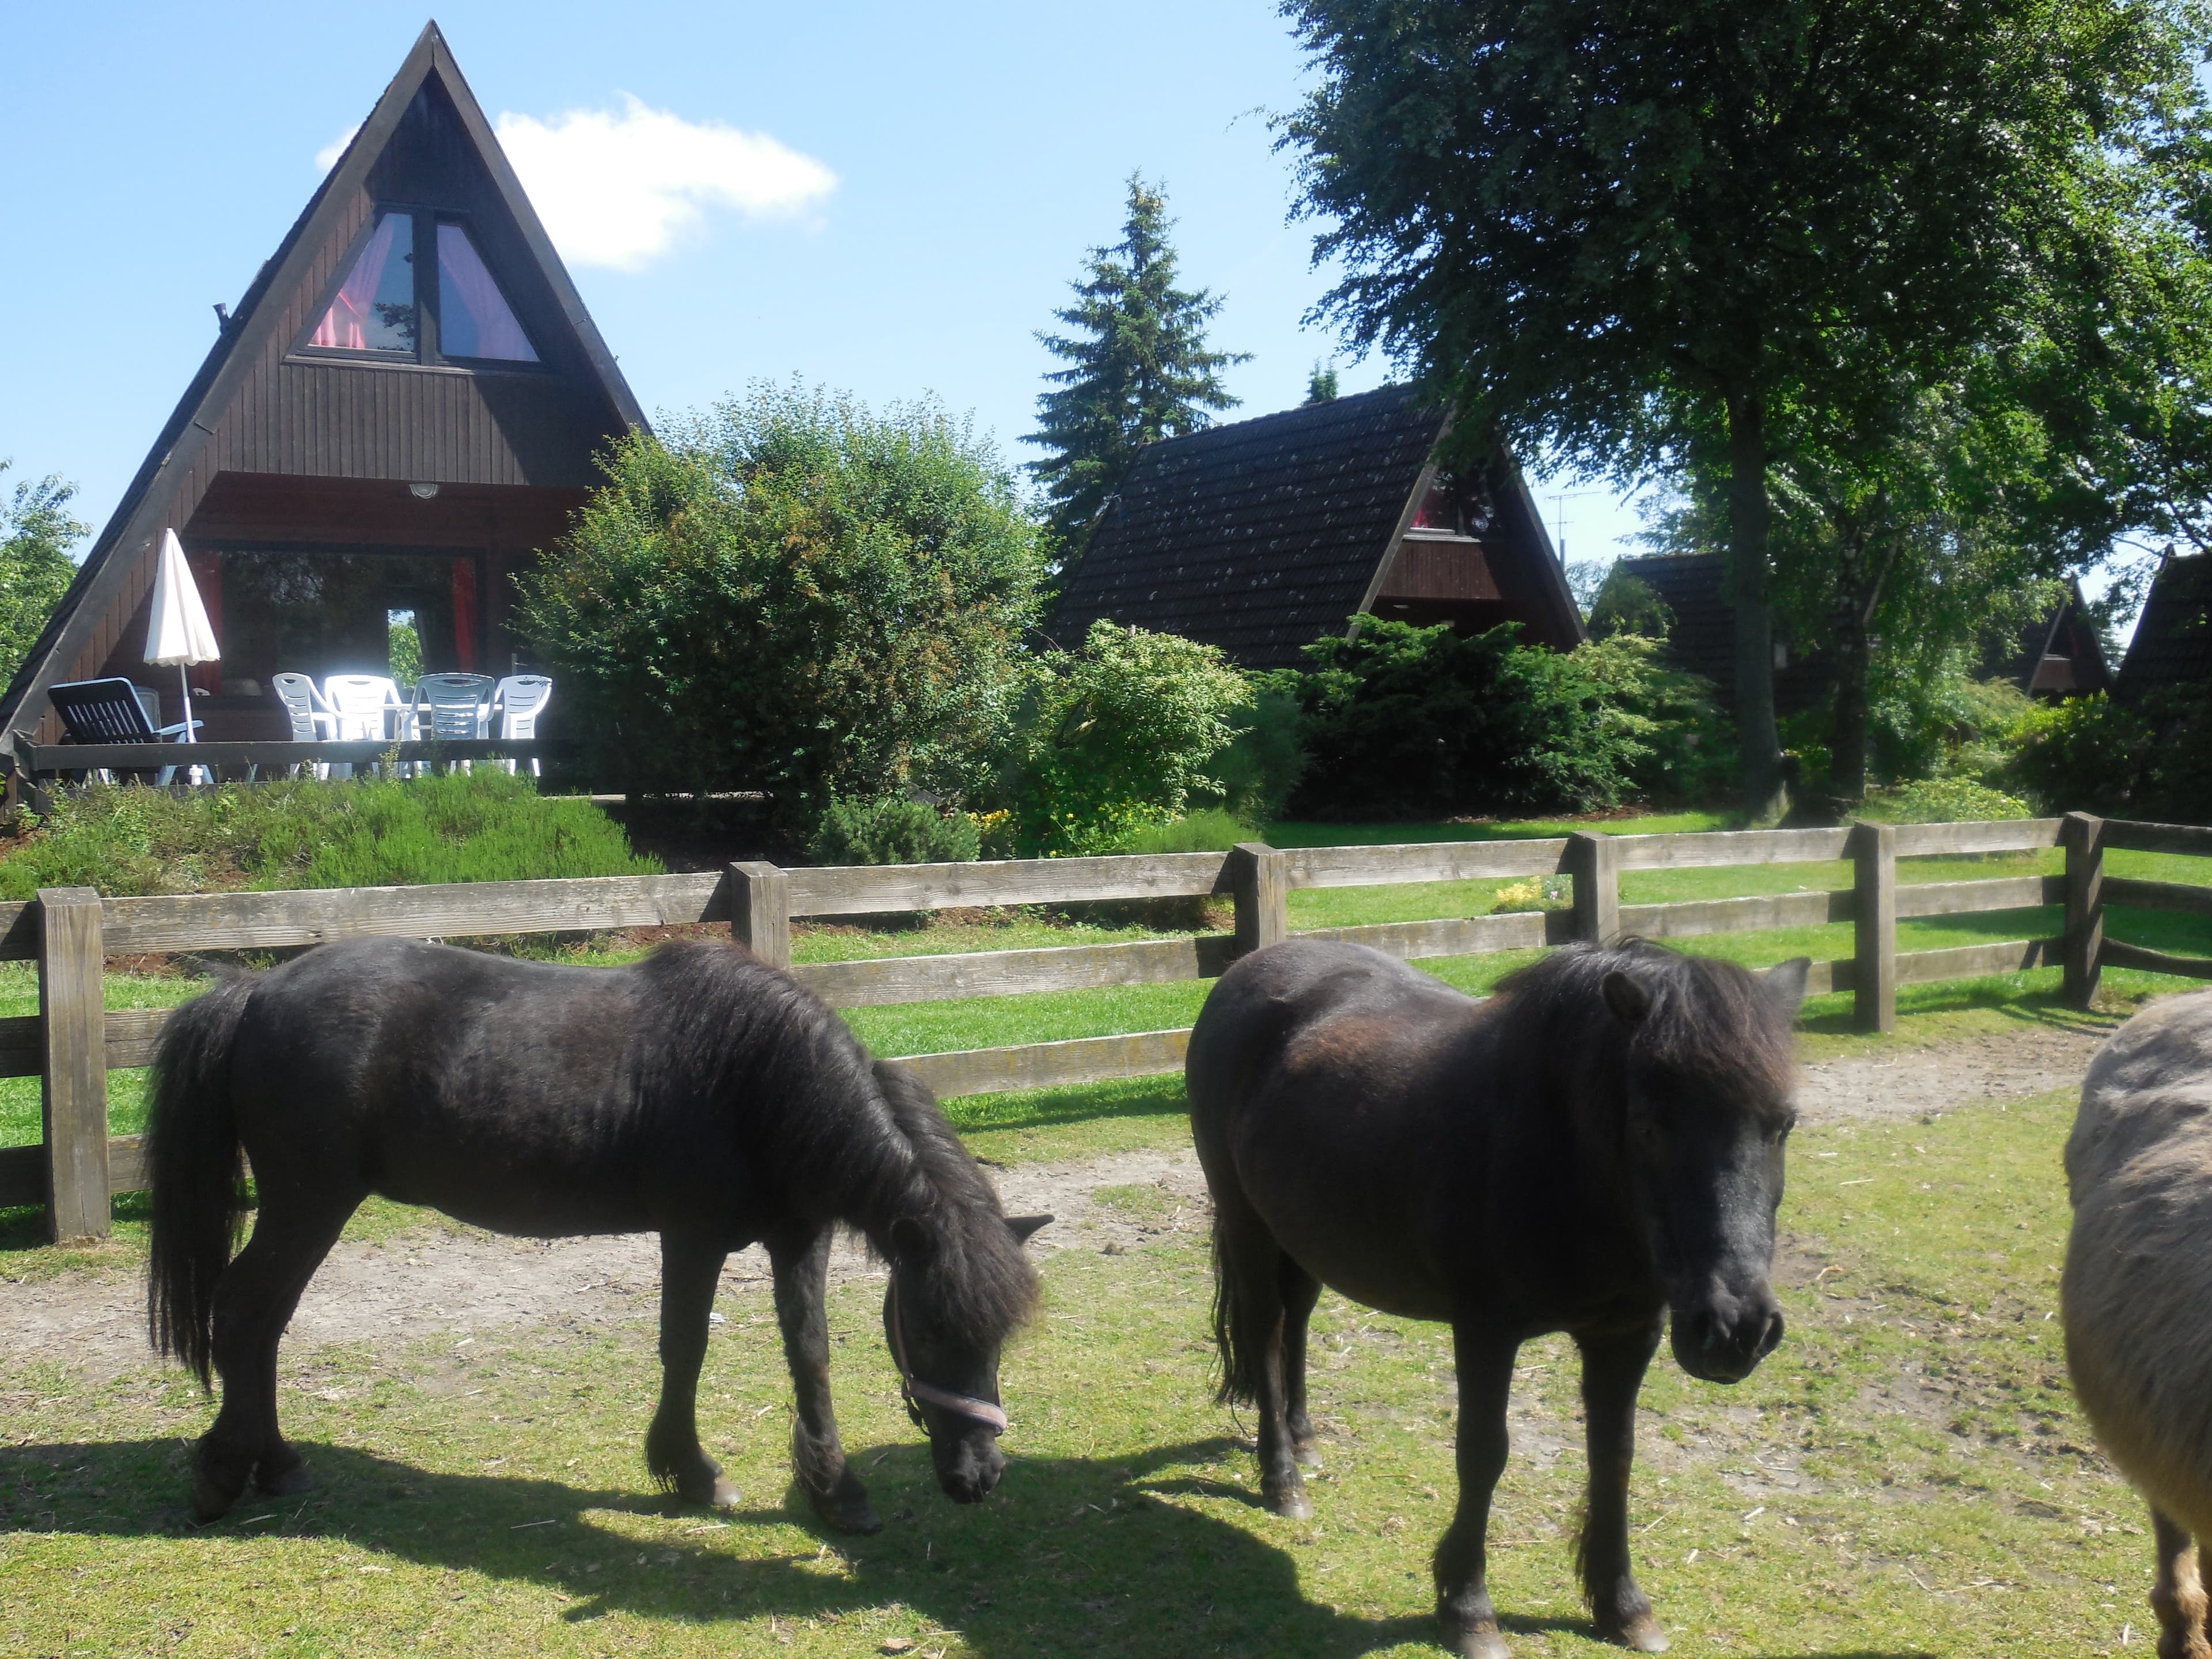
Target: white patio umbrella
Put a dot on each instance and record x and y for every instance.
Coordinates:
(179, 635)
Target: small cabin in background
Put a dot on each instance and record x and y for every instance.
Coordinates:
(2172, 643)
(2059, 654)
(404, 405)
(1263, 535)
(1699, 625)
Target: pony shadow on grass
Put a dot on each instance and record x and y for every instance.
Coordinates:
(1072, 1553)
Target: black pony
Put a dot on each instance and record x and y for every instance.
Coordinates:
(699, 1094)
(1599, 1141)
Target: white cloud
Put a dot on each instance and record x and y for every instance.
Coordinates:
(619, 188)
(327, 156)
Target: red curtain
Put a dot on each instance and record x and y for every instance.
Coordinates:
(207, 576)
(464, 615)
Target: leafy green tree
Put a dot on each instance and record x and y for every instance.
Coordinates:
(36, 533)
(1119, 734)
(2120, 366)
(1902, 539)
(1613, 232)
(1321, 385)
(793, 595)
(1139, 369)
(1625, 603)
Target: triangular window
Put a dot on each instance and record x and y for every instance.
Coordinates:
(374, 310)
(474, 319)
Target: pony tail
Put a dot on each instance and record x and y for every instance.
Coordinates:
(193, 1157)
(1240, 1380)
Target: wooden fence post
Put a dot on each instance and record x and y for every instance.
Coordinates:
(1594, 861)
(1873, 926)
(73, 1095)
(759, 911)
(2083, 837)
(1259, 876)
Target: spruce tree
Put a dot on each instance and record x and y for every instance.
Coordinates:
(1138, 367)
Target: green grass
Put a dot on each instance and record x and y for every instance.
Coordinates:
(1906, 1476)
(487, 825)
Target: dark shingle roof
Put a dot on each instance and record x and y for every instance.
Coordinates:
(1259, 537)
(2173, 644)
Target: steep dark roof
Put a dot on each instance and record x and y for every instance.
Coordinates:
(2173, 644)
(1258, 537)
(1701, 639)
(176, 468)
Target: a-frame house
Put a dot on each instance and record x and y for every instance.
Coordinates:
(404, 407)
(1263, 535)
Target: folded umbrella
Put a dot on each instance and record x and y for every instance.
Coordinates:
(179, 635)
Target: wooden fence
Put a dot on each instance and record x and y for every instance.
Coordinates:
(71, 1044)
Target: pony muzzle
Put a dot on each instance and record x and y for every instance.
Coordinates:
(1722, 1338)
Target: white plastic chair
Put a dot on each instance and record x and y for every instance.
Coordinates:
(452, 707)
(362, 703)
(314, 720)
(522, 698)
(361, 706)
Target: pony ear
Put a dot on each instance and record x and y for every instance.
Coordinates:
(1630, 1001)
(1026, 1227)
(912, 1243)
(1787, 981)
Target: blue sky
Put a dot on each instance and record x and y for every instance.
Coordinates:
(886, 198)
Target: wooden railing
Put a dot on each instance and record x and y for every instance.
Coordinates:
(71, 1044)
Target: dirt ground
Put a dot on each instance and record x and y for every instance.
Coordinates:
(471, 1283)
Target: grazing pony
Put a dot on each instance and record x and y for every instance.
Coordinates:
(1599, 1141)
(2137, 1297)
(699, 1094)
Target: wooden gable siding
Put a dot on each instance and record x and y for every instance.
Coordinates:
(1438, 567)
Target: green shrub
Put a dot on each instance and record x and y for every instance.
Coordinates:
(2149, 756)
(1684, 742)
(1411, 721)
(365, 832)
(1925, 720)
(1118, 735)
(1261, 769)
(894, 829)
(1627, 604)
(795, 595)
(1949, 800)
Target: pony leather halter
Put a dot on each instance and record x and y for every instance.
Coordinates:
(917, 1393)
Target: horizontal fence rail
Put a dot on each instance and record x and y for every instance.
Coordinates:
(72, 1042)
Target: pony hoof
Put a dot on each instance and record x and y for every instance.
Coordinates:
(212, 1498)
(848, 1515)
(1481, 1643)
(1291, 1505)
(714, 1491)
(1643, 1634)
(287, 1482)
